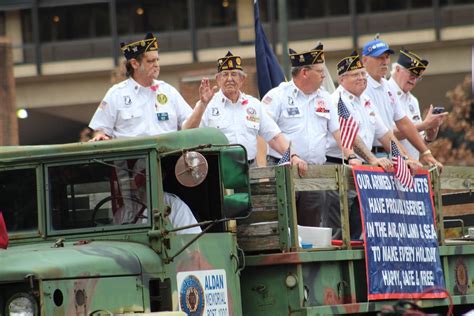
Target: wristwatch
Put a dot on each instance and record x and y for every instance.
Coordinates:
(351, 156)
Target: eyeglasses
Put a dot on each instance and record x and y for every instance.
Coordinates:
(412, 76)
(415, 77)
(362, 74)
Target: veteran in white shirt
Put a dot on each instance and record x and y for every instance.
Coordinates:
(239, 116)
(302, 110)
(405, 75)
(141, 105)
(352, 79)
(376, 60)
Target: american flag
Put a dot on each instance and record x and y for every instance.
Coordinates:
(402, 172)
(347, 125)
(286, 157)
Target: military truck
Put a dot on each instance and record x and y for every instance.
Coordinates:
(70, 254)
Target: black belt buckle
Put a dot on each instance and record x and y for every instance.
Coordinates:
(335, 160)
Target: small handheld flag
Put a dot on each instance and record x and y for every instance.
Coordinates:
(286, 157)
(347, 125)
(402, 172)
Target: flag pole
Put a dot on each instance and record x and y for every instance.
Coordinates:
(283, 34)
(342, 148)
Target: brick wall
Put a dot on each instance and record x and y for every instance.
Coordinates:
(8, 119)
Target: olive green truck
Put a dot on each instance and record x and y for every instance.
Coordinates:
(90, 234)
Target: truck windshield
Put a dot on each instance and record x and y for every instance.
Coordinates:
(18, 200)
(100, 193)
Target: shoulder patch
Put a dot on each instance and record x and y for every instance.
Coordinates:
(267, 100)
(102, 104)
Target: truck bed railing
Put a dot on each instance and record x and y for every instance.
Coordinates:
(272, 226)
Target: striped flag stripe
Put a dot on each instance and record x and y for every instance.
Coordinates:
(348, 127)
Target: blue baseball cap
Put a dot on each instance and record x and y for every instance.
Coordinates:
(376, 48)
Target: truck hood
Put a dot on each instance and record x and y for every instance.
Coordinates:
(97, 258)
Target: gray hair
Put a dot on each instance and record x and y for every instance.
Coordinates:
(394, 68)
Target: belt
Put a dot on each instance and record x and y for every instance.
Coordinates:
(273, 159)
(378, 149)
(336, 160)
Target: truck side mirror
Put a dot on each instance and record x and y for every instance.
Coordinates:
(191, 169)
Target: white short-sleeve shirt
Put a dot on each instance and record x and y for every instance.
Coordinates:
(305, 120)
(412, 108)
(129, 109)
(386, 102)
(181, 214)
(364, 112)
(241, 122)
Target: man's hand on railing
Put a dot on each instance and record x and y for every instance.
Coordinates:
(385, 163)
(355, 162)
(414, 166)
(300, 163)
(99, 135)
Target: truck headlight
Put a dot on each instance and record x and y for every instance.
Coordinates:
(21, 304)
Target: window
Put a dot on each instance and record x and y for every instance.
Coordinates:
(26, 26)
(306, 9)
(383, 5)
(18, 200)
(98, 194)
(151, 16)
(212, 13)
(2, 23)
(263, 8)
(420, 4)
(455, 2)
(74, 22)
(338, 7)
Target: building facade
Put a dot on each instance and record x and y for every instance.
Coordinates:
(65, 50)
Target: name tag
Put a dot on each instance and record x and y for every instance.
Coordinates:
(162, 116)
(293, 111)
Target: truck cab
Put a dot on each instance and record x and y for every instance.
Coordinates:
(90, 232)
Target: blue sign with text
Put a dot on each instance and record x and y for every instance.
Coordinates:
(401, 246)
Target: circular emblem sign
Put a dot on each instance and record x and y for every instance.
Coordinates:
(191, 298)
(462, 277)
(161, 98)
